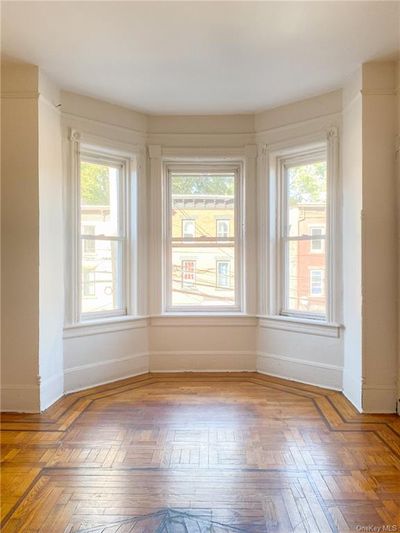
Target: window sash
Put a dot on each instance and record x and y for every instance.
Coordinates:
(202, 242)
(121, 237)
(308, 157)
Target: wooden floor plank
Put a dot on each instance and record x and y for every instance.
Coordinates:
(221, 452)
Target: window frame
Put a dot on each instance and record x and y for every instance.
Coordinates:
(130, 156)
(100, 157)
(285, 163)
(270, 277)
(191, 167)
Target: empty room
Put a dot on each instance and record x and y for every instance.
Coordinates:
(200, 282)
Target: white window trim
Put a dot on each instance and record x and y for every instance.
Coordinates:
(106, 152)
(269, 217)
(207, 166)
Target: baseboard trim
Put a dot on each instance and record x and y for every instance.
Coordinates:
(379, 399)
(303, 371)
(202, 361)
(20, 399)
(90, 375)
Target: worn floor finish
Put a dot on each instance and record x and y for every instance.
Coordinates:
(201, 453)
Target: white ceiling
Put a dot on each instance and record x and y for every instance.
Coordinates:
(200, 57)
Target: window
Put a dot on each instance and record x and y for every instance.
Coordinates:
(223, 274)
(316, 282)
(316, 244)
(103, 236)
(188, 270)
(303, 219)
(188, 228)
(198, 264)
(223, 229)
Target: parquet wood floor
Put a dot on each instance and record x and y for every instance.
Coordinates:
(201, 453)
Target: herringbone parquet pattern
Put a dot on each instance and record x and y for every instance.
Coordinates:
(201, 452)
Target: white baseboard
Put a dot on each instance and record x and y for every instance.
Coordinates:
(379, 399)
(303, 371)
(20, 398)
(93, 374)
(51, 389)
(202, 361)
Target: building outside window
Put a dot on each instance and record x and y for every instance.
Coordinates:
(223, 228)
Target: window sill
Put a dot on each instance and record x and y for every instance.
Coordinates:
(104, 325)
(203, 319)
(300, 325)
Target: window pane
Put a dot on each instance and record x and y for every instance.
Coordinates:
(100, 190)
(305, 279)
(306, 198)
(101, 289)
(203, 276)
(203, 210)
(202, 198)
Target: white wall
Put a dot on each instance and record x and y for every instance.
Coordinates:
(352, 207)
(20, 238)
(370, 260)
(32, 246)
(379, 238)
(51, 246)
(98, 353)
(92, 357)
(202, 344)
(398, 227)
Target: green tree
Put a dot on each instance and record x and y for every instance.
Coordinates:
(307, 183)
(203, 185)
(95, 184)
